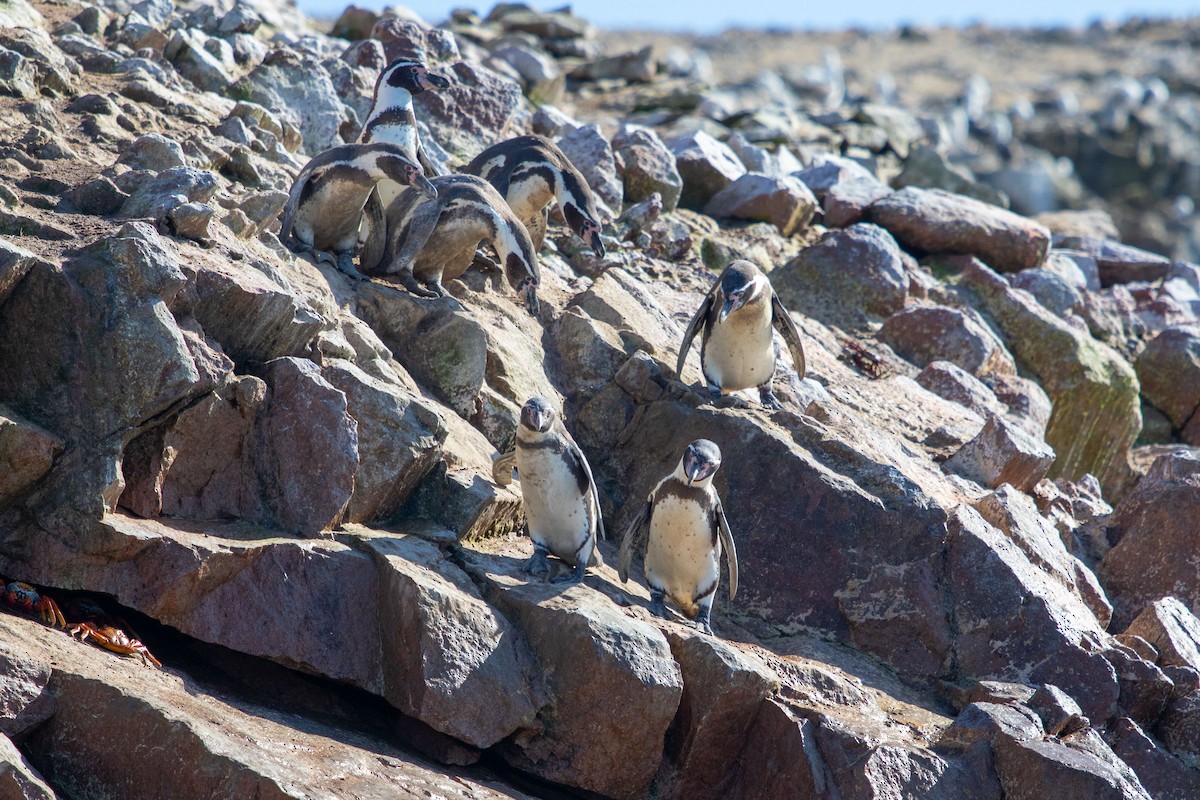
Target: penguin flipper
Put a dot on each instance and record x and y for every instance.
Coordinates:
(503, 466)
(633, 538)
(791, 334)
(694, 327)
(414, 235)
(580, 464)
(731, 558)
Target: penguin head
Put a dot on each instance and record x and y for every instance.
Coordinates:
(741, 283)
(585, 227)
(700, 461)
(411, 76)
(403, 171)
(537, 414)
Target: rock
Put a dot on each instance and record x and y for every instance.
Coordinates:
(1179, 729)
(1057, 710)
(1118, 263)
(723, 690)
(959, 386)
(613, 684)
(54, 71)
(15, 263)
(400, 438)
(98, 196)
(1028, 404)
(1050, 290)
(1094, 391)
(637, 66)
(190, 220)
(303, 97)
(543, 24)
(1077, 269)
(826, 170)
(706, 165)
(254, 318)
(18, 778)
(925, 168)
(183, 739)
(1092, 223)
(1163, 775)
(649, 167)
(543, 79)
(25, 702)
(982, 721)
(1169, 372)
(785, 202)
(757, 159)
(846, 270)
(478, 109)
(354, 23)
(1172, 630)
(459, 666)
(924, 334)
(27, 453)
(1145, 690)
(192, 59)
(1000, 454)
(1033, 768)
(310, 448)
(592, 155)
(17, 75)
(1151, 526)
(846, 202)
(154, 198)
(934, 221)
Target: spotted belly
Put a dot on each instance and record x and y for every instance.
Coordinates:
(739, 355)
(558, 514)
(681, 558)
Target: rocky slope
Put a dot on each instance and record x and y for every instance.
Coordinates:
(963, 575)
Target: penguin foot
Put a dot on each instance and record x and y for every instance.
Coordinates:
(345, 263)
(537, 564)
(702, 620)
(574, 576)
(768, 398)
(657, 607)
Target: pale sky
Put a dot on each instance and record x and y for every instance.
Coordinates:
(709, 16)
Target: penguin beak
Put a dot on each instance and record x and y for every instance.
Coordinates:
(432, 81)
(422, 184)
(697, 469)
(594, 241)
(732, 303)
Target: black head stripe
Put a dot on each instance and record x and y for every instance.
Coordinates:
(575, 219)
(733, 281)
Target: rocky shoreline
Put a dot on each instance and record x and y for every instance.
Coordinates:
(964, 540)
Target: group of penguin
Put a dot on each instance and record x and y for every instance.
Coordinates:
(351, 201)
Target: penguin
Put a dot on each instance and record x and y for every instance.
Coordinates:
(435, 240)
(325, 206)
(736, 349)
(687, 534)
(392, 118)
(529, 172)
(562, 506)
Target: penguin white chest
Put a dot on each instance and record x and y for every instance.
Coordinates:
(739, 352)
(557, 512)
(681, 557)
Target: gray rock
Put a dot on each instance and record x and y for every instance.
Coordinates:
(846, 272)
(959, 386)
(924, 334)
(478, 109)
(153, 151)
(18, 778)
(847, 201)
(1118, 263)
(153, 198)
(187, 52)
(1050, 768)
(302, 96)
(635, 66)
(540, 74)
(17, 75)
(1169, 372)
(987, 721)
(1171, 628)
(593, 156)
(649, 167)
(1163, 775)
(758, 159)
(191, 220)
(706, 165)
(925, 168)
(1050, 290)
(784, 202)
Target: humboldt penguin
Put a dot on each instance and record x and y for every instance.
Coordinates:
(529, 172)
(430, 241)
(687, 534)
(736, 348)
(562, 507)
(325, 205)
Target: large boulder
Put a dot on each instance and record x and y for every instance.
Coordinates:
(592, 155)
(479, 108)
(649, 167)
(706, 165)
(1096, 415)
(1169, 373)
(27, 452)
(924, 334)
(784, 201)
(934, 221)
(1172, 629)
(301, 94)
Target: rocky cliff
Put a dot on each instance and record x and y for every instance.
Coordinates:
(963, 575)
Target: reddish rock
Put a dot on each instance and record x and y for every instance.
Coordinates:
(309, 447)
(25, 701)
(1172, 630)
(1179, 728)
(982, 721)
(1169, 372)
(723, 691)
(922, 334)
(1163, 775)
(478, 109)
(847, 201)
(935, 221)
(1028, 404)
(27, 453)
(1059, 713)
(1145, 689)
(785, 202)
(780, 758)
(706, 166)
(649, 167)
(1152, 525)
(18, 779)
(1002, 453)
(847, 271)
(1034, 770)
(14, 263)
(1118, 263)
(959, 386)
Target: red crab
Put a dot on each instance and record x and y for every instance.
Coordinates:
(113, 639)
(24, 598)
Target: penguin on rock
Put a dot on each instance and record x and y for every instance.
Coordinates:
(737, 350)
(687, 535)
(562, 507)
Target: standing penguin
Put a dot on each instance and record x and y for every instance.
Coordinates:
(325, 205)
(736, 349)
(561, 504)
(392, 118)
(435, 240)
(687, 533)
(529, 172)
